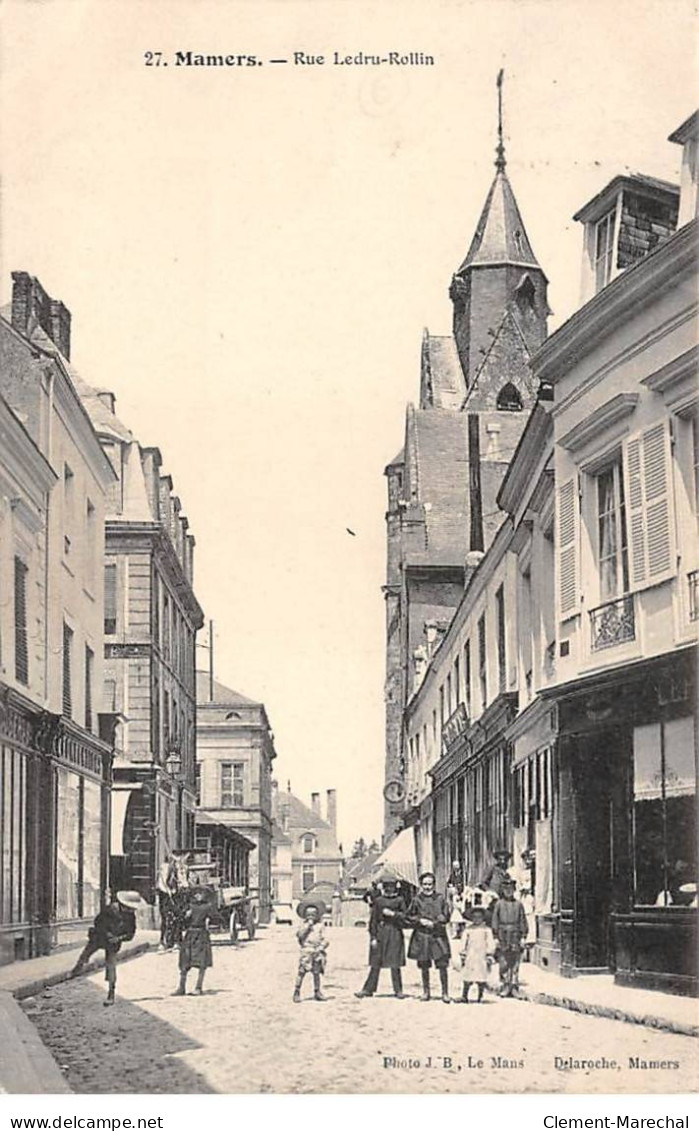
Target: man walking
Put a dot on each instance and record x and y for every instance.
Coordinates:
(386, 943)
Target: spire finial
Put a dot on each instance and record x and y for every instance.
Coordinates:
(500, 151)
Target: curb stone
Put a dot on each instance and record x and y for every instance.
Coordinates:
(610, 1012)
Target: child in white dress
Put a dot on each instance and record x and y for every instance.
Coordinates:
(477, 946)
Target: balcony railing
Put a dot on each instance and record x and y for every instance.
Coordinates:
(613, 623)
(693, 583)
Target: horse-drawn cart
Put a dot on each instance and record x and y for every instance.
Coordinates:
(233, 909)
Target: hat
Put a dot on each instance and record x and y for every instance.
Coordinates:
(423, 875)
(130, 899)
(509, 882)
(502, 852)
(386, 878)
(304, 905)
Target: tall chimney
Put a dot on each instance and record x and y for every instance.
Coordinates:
(31, 305)
(59, 318)
(332, 809)
(315, 804)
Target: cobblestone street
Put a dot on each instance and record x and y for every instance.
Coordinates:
(246, 1035)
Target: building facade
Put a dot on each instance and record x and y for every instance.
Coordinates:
(316, 858)
(624, 373)
(151, 617)
(235, 749)
(56, 738)
(557, 714)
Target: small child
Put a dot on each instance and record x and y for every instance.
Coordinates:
(313, 945)
(195, 948)
(477, 947)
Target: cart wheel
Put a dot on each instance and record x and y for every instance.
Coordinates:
(233, 927)
(251, 926)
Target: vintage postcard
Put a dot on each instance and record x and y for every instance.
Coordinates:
(349, 573)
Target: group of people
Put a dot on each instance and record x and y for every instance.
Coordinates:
(492, 926)
(185, 914)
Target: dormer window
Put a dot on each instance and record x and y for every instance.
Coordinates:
(308, 843)
(604, 250)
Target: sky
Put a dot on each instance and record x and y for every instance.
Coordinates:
(250, 255)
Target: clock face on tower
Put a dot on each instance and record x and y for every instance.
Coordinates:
(394, 791)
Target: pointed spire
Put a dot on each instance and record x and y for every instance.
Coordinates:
(500, 161)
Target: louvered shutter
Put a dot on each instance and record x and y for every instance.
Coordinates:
(568, 550)
(648, 487)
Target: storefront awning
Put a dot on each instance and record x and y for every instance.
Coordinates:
(210, 824)
(399, 857)
(120, 802)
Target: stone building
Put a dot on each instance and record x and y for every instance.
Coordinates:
(55, 740)
(476, 391)
(316, 857)
(235, 751)
(151, 617)
(624, 373)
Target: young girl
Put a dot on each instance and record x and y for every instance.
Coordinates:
(195, 948)
(313, 945)
(477, 945)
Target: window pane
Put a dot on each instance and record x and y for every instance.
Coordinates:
(648, 822)
(67, 845)
(680, 810)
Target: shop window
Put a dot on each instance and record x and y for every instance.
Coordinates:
(664, 814)
(13, 796)
(308, 877)
(21, 649)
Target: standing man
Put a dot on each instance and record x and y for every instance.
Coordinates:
(386, 943)
(498, 873)
(509, 926)
(429, 913)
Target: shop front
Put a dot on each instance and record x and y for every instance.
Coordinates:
(54, 783)
(625, 824)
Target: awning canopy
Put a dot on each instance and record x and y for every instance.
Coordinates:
(120, 802)
(399, 858)
(226, 832)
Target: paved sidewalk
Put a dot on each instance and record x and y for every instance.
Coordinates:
(26, 1065)
(597, 995)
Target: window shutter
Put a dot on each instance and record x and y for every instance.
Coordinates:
(648, 479)
(567, 524)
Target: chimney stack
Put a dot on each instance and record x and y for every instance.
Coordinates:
(315, 804)
(332, 809)
(31, 305)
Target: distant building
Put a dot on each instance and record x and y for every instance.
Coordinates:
(282, 872)
(55, 742)
(235, 751)
(316, 859)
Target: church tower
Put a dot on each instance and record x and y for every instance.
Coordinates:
(499, 289)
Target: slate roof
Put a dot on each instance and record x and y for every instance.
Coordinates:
(442, 383)
(437, 443)
(278, 834)
(500, 235)
(300, 816)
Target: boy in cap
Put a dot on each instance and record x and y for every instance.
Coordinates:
(313, 945)
(429, 912)
(113, 925)
(509, 926)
